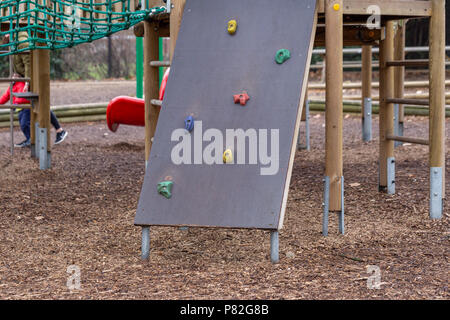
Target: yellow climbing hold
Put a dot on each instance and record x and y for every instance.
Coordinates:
(336, 7)
(232, 26)
(228, 156)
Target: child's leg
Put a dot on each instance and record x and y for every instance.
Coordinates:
(61, 134)
(24, 121)
(55, 121)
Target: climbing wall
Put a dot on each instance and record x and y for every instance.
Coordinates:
(211, 65)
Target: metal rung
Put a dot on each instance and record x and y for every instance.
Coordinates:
(160, 63)
(408, 139)
(156, 102)
(415, 102)
(408, 63)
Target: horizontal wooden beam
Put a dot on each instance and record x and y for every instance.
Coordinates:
(408, 139)
(414, 102)
(160, 63)
(400, 8)
(408, 63)
(353, 36)
(162, 27)
(15, 79)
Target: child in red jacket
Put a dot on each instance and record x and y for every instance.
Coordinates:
(24, 114)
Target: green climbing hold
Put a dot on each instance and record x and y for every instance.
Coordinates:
(165, 188)
(282, 55)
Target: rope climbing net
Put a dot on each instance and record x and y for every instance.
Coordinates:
(57, 24)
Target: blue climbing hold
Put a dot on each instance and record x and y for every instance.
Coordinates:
(189, 123)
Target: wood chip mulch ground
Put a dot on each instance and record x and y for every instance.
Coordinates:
(81, 213)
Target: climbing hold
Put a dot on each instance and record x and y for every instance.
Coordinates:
(228, 156)
(336, 7)
(241, 98)
(189, 123)
(232, 26)
(282, 55)
(165, 188)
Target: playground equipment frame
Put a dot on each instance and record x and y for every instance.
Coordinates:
(338, 31)
(336, 21)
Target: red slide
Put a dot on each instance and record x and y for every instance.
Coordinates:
(129, 110)
(125, 110)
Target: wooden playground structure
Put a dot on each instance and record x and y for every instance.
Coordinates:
(343, 23)
(338, 23)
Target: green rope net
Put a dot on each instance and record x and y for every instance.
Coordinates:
(57, 24)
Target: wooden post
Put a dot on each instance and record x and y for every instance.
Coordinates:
(304, 105)
(151, 85)
(33, 112)
(176, 15)
(399, 72)
(366, 92)
(151, 81)
(437, 98)
(366, 71)
(334, 106)
(41, 78)
(386, 113)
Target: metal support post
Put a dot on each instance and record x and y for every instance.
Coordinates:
(274, 246)
(367, 120)
(44, 155)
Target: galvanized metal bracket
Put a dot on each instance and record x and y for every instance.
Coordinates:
(35, 147)
(436, 196)
(367, 120)
(326, 207)
(44, 155)
(145, 245)
(274, 246)
(391, 175)
(397, 125)
(341, 213)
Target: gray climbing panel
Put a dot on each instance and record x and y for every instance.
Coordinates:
(210, 66)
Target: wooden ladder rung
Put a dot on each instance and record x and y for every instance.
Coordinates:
(26, 95)
(156, 102)
(408, 63)
(160, 63)
(14, 79)
(408, 139)
(414, 102)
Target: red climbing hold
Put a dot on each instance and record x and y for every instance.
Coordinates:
(241, 98)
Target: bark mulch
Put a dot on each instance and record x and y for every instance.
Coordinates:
(81, 213)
